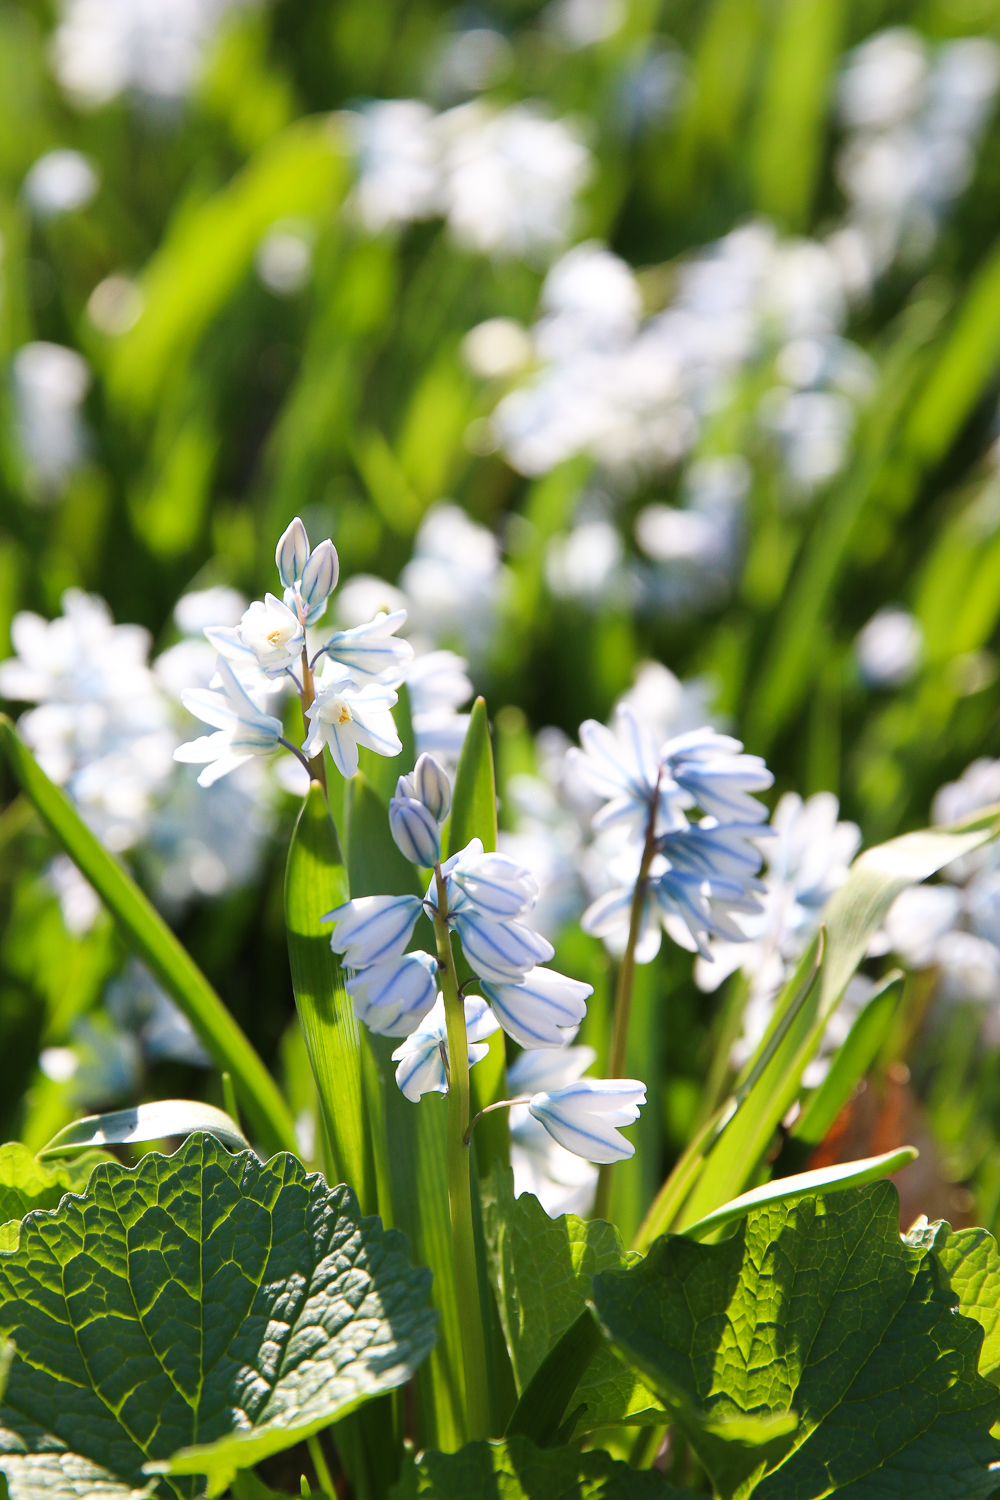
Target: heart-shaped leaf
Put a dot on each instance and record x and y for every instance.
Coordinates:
(814, 1308)
(192, 1315)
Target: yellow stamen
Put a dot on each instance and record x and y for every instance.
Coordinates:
(275, 637)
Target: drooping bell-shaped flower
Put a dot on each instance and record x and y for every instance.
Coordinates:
(371, 929)
(392, 997)
(494, 884)
(499, 951)
(242, 730)
(371, 652)
(344, 716)
(421, 1058)
(544, 1010)
(415, 832)
(273, 633)
(585, 1116)
(714, 773)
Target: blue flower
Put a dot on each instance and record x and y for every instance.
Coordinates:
(421, 1057)
(242, 730)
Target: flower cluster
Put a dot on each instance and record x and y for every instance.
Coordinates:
(690, 878)
(348, 703)
(481, 898)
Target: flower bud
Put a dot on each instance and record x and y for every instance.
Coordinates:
(415, 831)
(584, 1115)
(432, 787)
(319, 579)
(405, 787)
(292, 553)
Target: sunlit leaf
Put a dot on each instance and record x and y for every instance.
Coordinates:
(145, 1122)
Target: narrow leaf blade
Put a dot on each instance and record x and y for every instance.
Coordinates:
(158, 947)
(146, 1122)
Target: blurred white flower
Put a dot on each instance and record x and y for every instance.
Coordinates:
(497, 348)
(398, 162)
(115, 305)
(511, 178)
(59, 182)
(50, 383)
(470, 61)
(102, 726)
(454, 581)
(580, 23)
(218, 605)
(153, 48)
(977, 787)
(805, 864)
(284, 259)
(884, 81)
(137, 1004)
(889, 648)
(584, 563)
(79, 902)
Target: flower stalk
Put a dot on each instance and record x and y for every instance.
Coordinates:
(459, 1186)
(308, 690)
(624, 990)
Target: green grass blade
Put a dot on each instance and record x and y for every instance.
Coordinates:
(474, 803)
(315, 882)
(159, 949)
(824, 1180)
(542, 1406)
(852, 1062)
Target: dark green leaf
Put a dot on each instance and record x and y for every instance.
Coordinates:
(544, 1269)
(157, 946)
(516, 1470)
(972, 1264)
(197, 1312)
(814, 1310)
(851, 1063)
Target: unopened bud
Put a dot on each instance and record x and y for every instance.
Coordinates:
(432, 787)
(292, 553)
(415, 831)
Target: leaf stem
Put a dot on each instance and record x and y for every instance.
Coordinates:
(459, 1187)
(317, 769)
(625, 987)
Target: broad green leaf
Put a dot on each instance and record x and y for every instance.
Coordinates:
(813, 1309)
(474, 802)
(543, 1269)
(374, 864)
(821, 1182)
(26, 1183)
(193, 1314)
(159, 949)
(145, 1122)
(516, 1470)
(972, 1264)
(316, 882)
(858, 1052)
(209, 249)
(541, 1411)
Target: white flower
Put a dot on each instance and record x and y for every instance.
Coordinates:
(273, 633)
(622, 765)
(393, 996)
(454, 580)
(499, 951)
(543, 1010)
(50, 382)
(241, 729)
(371, 652)
(344, 717)
(583, 1116)
(711, 769)
(415, 831)
(428, 783)
(59, 182)
(511, 178)
(561, 1181)
(371, 929)
(399, 162)
(421, 1057)
(889, 648)
(495, 884)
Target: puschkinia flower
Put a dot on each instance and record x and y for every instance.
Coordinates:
(415, 831)
(273, 633)
(308, 577)
(242, 730)
(242, 658)
(371, 652)
(584, 1116)
(392, 997)
(622, 765)
(421, 1057)
(499, 951)
(714, 773)
(370, 929)
(428, 783)
(495, 884)
(544, 1010)
(344, 716)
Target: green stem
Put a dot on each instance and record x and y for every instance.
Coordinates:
(459, 1188)
(624, 989)
(323, 1475)
(308, 698)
